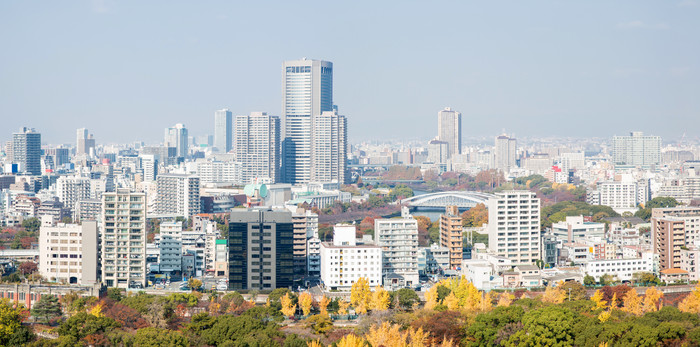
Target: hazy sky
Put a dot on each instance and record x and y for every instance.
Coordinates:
(128, 69)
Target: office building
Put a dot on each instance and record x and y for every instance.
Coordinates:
(398, 238)
(438, 152)
(575, 229)
(260, 249)
(26, 151)
(258, 147)
(514, 226)
(220, 172)
(84, 143)
(307, 87)
(450, 130)
(505, 153)
(344, 261)
(177, 137)
(123, 239)
(223, 130)
(329, 148)
(178, 195)
(68, 252)
(637, 150)
(451, 235)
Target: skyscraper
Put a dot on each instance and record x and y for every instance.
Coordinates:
(637, 150)
(329, 147)
(258, 146)
(26, 151)
(177, 137)
(515, 234)
(83, 142)
(123, 239)
(450, 130)
(223, 134)
(307, 87)
(505, 153)
(178, 195)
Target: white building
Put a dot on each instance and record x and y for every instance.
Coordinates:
(220, 172)
(505, 153)
(178, 195)
(450, 130)
(71, 189)
(637, 150)
(123, 238)
(623, 195)
(575, 229)
(68, 252)
(258, 144)
(622, 269)
(398, 238)
(177, 137)
(345, 261)
(514, 226)
(329, 147)
(223, 130)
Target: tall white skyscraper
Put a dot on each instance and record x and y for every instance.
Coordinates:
(177, 137)
(84, 142)
(329, 148)
(505, 153)
(223, 132)
(258, 146)
(26, 151)
(514, 226)
(450, 130)
(178, 195)
(637, 150)
(123, 239)
(307, 90)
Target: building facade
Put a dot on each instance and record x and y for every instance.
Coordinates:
(398, 238)
(223, 130)
(329, 148)
(451, 235)
(505, 153)
(26, 151)
(344, 261)
(514, 226)
(68, 253)
(258, 147)
(178, 195)
(450, 130)
(123, 239)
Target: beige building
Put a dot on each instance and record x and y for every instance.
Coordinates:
(68, 252)
(451, 234)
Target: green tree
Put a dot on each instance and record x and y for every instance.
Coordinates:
(114, 294)
(10, 320)
(319, 323)
(31, 224)
(83, 324)
(194, 284)
(154, 337)
(48, 308)
(548, 326)
(406, 297)
(589, 280)
(400, 191)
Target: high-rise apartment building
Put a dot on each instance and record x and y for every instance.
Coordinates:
(84, 142)
(329, 148)
(258, 147)
(260, 249)
(514, 226)
(71, 189)
(450, 130)
(671, 229)
(123, 238)
(68, 252)
(307, 90)
(398, 238)
(177, 137)
(505, 153)
(637, 150)
(223, 132)
(305, 227)
(178, 195)
(26, 151)
(451, 235)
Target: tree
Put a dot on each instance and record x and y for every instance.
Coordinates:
(588, 280)
(597, 298)
(48, 307)
(114, 294)
(10, 320)
(431, 298)
(126, 316)
(194, 284)
(574, 290)
(28, 267)
(452, 302)
(380, 299)
(83, 324)
(351, 340)
(154, 337)
(652, 299)
(305, 302)
(343, 306)
(548, 326)
(691, 303)
(323, 305)
(505, 299)
(31, 224)
(406, 298)
(632, 303)
(554, 295)
(319, 323)
(287, 308)
(360, 295)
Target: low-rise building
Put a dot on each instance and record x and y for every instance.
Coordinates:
(622, 269)
(68, 253)
(674, 275)
(575, 229)
(344, 261)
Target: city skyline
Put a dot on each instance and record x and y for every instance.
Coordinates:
(602, 72)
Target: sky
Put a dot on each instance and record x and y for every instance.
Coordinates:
(126, 70)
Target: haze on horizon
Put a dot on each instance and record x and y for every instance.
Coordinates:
(126, 70)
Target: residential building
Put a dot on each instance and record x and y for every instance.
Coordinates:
(178, 195)
(451, 235)
(68, 252)
(26, 151)
(123, 238)
(223, 130)
(329, 147)
(220, 172)
(637, 150)
(313, 257)
(260, 249)
(89, 209)
(71, 189)
(575, 229)
(344, 261)
(450, 130)
(690, 258)
(221, 259)
(438, 152)
(177, 137)
(398, 238)
(305, 227)
(621, 269)
(668, 236)
(514, 226)
(434, 259)
(505, 153)
(307, 87)
(258, 147)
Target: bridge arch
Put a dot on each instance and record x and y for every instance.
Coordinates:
(461, 199)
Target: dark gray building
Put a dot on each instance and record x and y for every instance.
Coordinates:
(260, 249)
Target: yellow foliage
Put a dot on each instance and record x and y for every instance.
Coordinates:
(691, 303)
(445, 343)
(214, 308)
(351, 340)
(314, 343)
(380, 299)
(287, 308)
(386, 335)
(597, 298)
(613, 301)
(554, 295)
(360, 295)
(505, 299)
(452, 302)
(305, 302)
(632, 303)
(323, 304)
(652, 299)
(97, 310)
(343, 306)
(431, 297)
(418, 337)
(604, 316)
(486, 303)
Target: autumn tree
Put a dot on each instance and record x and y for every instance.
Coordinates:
(343, 306)
(652, 299)
(691, 303)
(27, 267)
(505, 299)
(10, 320)
(323, 305)
(632, 303)
(380, 299)
(351, 340)
(452, 302)
(597, 298)
(194, 284)
(360, 295)
(431, 298)
(305, 302)
(554, 295)
(287, 308)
